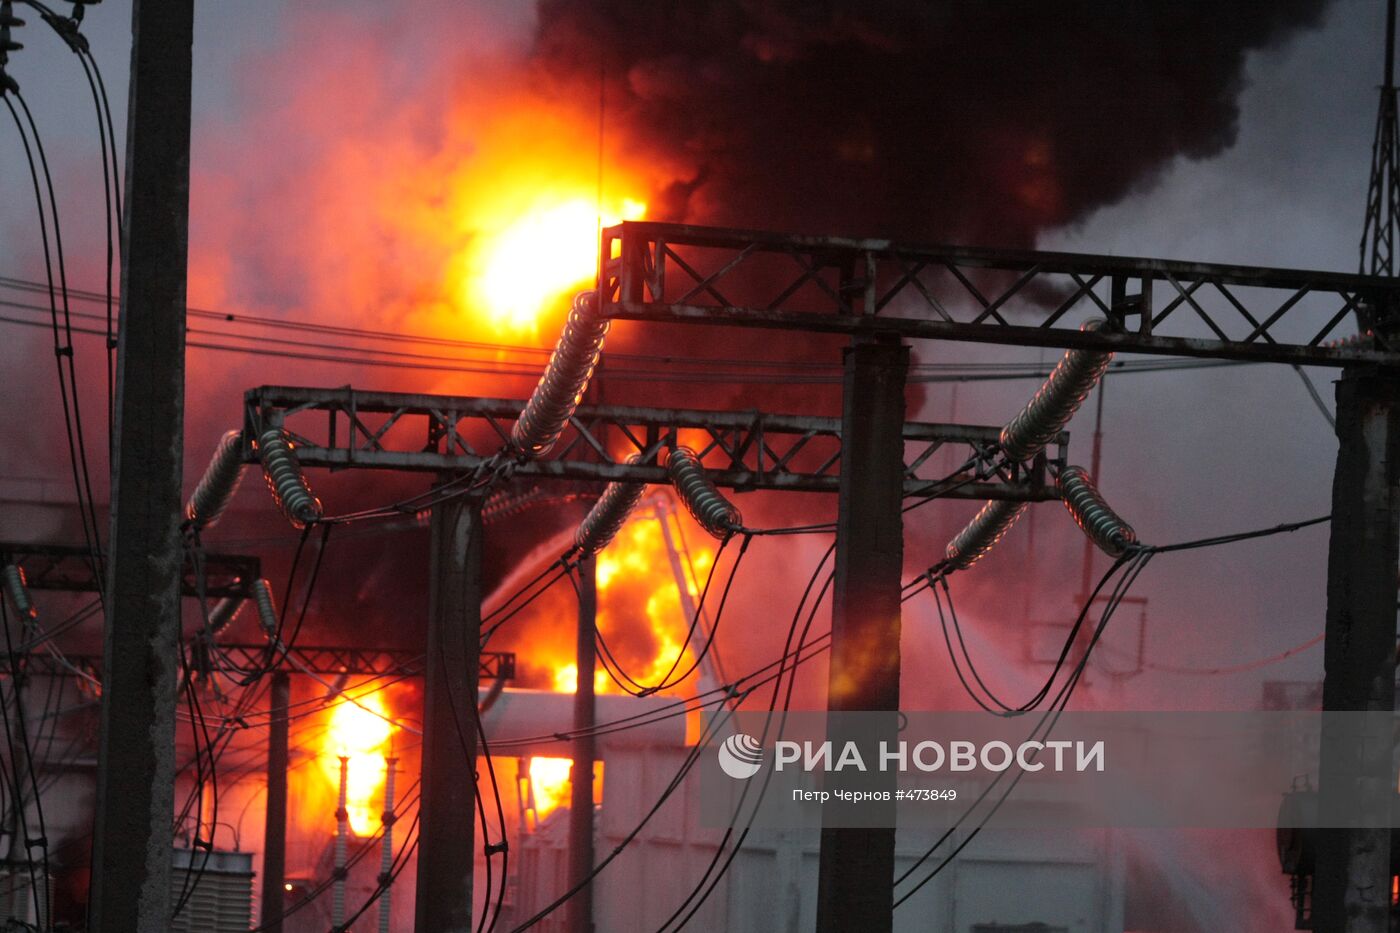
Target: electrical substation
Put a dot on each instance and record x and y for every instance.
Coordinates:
(454, 640)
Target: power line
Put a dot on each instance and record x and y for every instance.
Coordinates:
(623, 366)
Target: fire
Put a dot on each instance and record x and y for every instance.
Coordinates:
(641, 614)
(522, 212)
(635, 570)
(549, 783)
(361, 733)
(566, 679)
(533, 260)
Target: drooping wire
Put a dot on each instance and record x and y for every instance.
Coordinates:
(628, 683)
(67, 29)
(1002, 708)
(490, 849)
(1134, 564)
(716, 870)
(689, 762)
(559, 568)
(722, 716)
(410, 799)
(1131, 564)
(406, 850)
(624, 367)
(62, 337)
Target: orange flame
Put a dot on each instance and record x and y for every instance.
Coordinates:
(361, 733)
(549, 783)
(640, 611)
(636, 568)
(523, 263)
(522, 214)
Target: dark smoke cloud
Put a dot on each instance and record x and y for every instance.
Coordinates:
(971, 121)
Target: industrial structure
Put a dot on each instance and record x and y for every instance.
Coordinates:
(154, 862)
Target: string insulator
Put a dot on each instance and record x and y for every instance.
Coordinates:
(286, 480)
(218, 484)
(267, 610)
(982, 533)
(17, 589)
(706, 504)
(1090, 512)
(561, 387)
(222, 613)
(605, 519)
(1050, 409)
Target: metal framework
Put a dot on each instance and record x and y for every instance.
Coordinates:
(62, 567)
(1383, 197)
(373, 662)
(702, 275)
(743, 450)
(321, 660)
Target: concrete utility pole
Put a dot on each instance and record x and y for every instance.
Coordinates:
(275, 826)
(585, 750)
(136, 757)
(446, 838)
(855, 885)
(1352, 885)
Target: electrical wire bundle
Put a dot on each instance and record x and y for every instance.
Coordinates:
(56, 287)
(1126, 568)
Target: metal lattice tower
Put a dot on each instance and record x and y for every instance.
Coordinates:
(1383, 197)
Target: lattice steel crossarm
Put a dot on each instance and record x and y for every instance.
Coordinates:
(699, 275)
(370, 662)
(742, 450)
(320, 660)
(60, 567)
(1383, 197)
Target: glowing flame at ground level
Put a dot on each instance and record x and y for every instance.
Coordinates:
(361, 731)
(551, 784)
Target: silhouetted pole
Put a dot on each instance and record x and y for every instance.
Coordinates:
(1352, 884)
(275, 825)
(584, 751)
(136, 755)
(446, 846)
(855, 885)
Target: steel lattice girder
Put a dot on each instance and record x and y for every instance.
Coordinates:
(700, 275)
(741, 450)
(371, 662)
(319, 660)
(61, 567)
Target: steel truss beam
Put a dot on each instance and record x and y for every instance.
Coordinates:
(700, 275)
(371, 662)
(60, 567)
(742, 450)
(320, 660)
